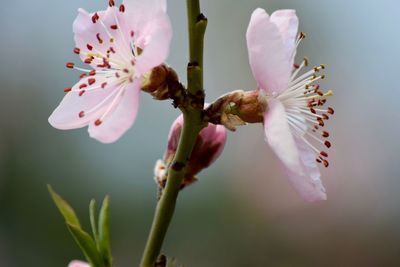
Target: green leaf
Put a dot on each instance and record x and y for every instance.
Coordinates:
(65, 209)
(87, 245)
(104, 232)
(92, 214)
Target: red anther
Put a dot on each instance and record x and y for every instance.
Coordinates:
(111, 3)
(316, 127)
(324, 154)
(327, 144)
(133, 62)
(325, 117)
(99, 38)
(77, 50)
(103, 85)
(83, 75)
(320, 122)
(97, 122)
(319, 93)
(81, 92)
(88, 60)
(318, 160)
(114, 27)
(325, 134)
(112, 50)
(313, 110)
(95, 17)
(81, 114)
(70, 65)
(296, 66)
(330, 111)
(326, 163)
(83, 85)
(132, 34)
(89, 47)
(122, 8)
(317, 87)
(91, 81)
(117, 75)
(130, 79)
(92, 72)
(67, 89)
(126, 70)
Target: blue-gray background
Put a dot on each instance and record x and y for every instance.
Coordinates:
(242, 212)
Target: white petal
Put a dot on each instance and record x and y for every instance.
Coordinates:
(267, 54)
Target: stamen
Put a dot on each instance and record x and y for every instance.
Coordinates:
(95, 17)
(67, 89)
(77, 50)
(99, 38)
(122, 8)
(89, 47)
(70, 65)
(98, 122)
(91, 81)
(81, 114)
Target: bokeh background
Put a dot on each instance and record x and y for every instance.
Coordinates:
(243, 211)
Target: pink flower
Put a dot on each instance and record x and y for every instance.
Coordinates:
(208, 147)
(76, 263)
(121, 45)
(295, 112)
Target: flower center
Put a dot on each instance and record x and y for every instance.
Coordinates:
(112, 58)
(304, 103)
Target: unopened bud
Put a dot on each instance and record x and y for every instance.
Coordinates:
(208, 147)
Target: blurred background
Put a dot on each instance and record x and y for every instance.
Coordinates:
(243, 211)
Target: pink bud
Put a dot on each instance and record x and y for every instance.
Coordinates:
(209, 145)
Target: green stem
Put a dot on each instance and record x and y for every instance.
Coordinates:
(193, 123)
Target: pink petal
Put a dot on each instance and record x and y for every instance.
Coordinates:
(297, 158)
(156, 44)
(279, 136)
(92, 103)
(307, 183)
(145, 10)
(76, 263)
(120, 119)
(267, 54)
(287, 22)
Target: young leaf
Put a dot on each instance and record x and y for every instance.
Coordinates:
(104, 232)
(87, 245)
(92, 214)
(66, 210)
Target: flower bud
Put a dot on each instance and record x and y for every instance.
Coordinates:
(208, 146)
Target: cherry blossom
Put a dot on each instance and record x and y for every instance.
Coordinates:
(121, 46)
(295, 117)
